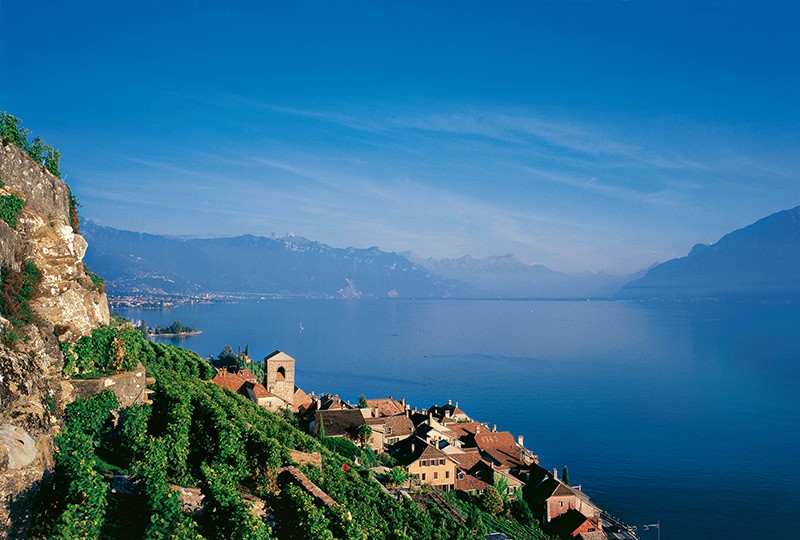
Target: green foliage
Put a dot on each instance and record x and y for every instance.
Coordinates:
(565, 475)
(74, 220)
(16, 291)
(298, 517)
(343, 447)
(521, 511)
(501, 484)
(175, 328)
(362, 402)
(98, 283)
(361, 434)
(133, 428)
(10, 208)
(236, 361)
(228, 515)
(37, 149)
(167, 520)
(90, 416)
(51, 159)
(396, 475)
(105, 351)
(198, 433)
(490, 501)
(11, 130)
(85, 421)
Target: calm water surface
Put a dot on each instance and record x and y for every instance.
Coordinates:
(684, 413)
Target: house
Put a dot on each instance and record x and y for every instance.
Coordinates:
(426, 464)
(449, 413)
(573, 524)
(388, 430)
(328, 402)
(501, 449)
(398, 428)
(256, 392)
(465, 432)
(245, 386)
(337, 422)
(301, 401)
(386, 406)
(553, 498)
(229, 380)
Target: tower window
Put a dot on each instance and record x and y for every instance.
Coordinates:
(281, 374)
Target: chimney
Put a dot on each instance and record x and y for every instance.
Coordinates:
(456, 404)
(494, 428)
(403, 402)
(555, 473)
(449, 401)
(477, 429)
(520, 440)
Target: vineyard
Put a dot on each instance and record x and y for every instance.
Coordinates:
(198, 435)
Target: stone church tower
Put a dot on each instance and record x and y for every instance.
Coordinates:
(280, 376)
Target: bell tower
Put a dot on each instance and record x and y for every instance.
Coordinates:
(280, 375)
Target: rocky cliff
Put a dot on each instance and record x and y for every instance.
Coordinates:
(66, 302)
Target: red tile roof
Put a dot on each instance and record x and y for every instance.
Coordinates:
(247, 375)
(386, 406)
(232, 382)
(469, 483)
(259, 391)
(400, 425)
(501, 447)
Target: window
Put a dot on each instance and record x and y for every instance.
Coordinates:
(388, 430)
(441, 462)
(281, 374)
(461, 475)
(447, 474)
(435, 475)
(560, 503)
(423, 477)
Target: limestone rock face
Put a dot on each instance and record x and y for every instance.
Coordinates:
(32, 392)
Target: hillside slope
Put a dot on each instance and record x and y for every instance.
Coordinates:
(761, 260)
(44, 291)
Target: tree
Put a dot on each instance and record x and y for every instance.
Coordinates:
(501, 484)
(361, 434)
(143, 328)
(490, 501)
(396, 476)
(36, 151)
(565, 475)
(362, 402)
(521, 511)
(51, 160)
(12, 130)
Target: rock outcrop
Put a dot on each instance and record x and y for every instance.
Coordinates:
(32, 391)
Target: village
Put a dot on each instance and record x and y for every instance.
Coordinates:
(441, 447)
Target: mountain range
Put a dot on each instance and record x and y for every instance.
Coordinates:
(505, 276)
(288, 266)
(760, 260)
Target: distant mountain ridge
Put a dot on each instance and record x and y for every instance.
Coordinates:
(761, 260)
(291, 266)
(505, 276)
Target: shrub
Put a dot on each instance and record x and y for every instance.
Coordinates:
(10, 208)
(16, 291)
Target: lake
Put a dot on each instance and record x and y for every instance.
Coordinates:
(685, 413)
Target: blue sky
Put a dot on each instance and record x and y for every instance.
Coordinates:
(583, 135)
